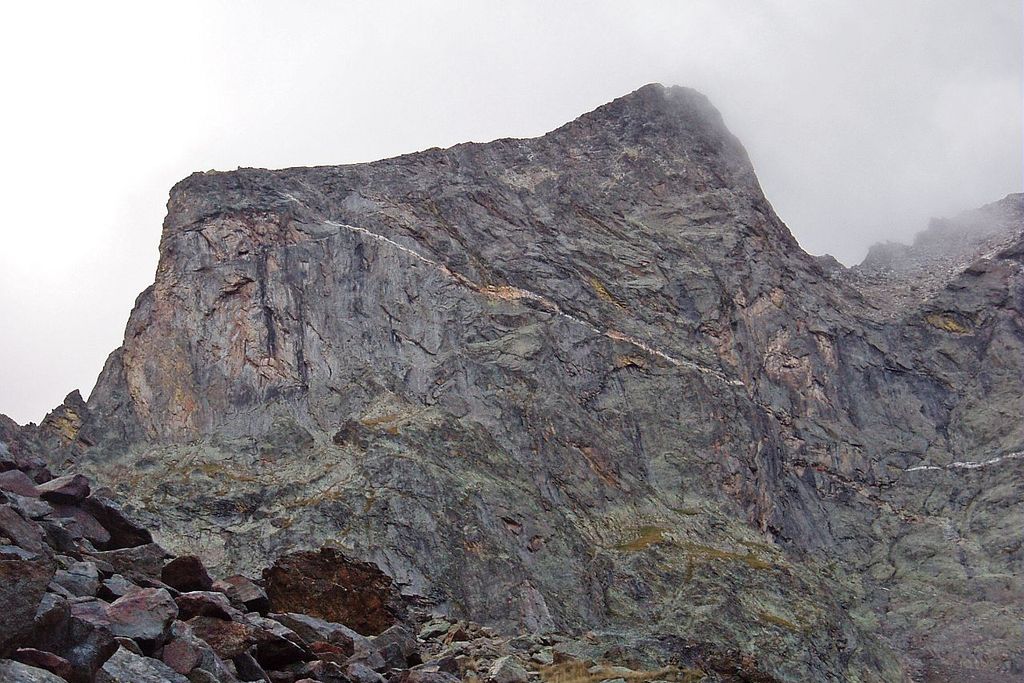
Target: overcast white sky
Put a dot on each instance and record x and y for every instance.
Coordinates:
(863, 119)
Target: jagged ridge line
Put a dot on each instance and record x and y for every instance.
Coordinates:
(546, 302)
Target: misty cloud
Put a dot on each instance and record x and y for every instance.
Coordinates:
(862, 119)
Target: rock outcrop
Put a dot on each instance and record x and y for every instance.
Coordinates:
(73, 614)
(586, 382)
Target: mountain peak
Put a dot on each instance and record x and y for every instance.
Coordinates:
(657, 110)
(595, 360)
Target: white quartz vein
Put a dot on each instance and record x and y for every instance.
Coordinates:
(545, 302)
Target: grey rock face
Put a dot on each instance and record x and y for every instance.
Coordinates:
(128, 667)
(584, 381)
(16, 672)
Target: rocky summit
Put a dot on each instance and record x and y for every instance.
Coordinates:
(585, 390)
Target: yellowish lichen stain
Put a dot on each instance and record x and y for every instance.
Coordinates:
(67, 425)
(602, 292)
(779, 621)
(946, 322)
(630, 361)
(646, 537)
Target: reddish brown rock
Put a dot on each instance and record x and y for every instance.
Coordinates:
(21, 531)
(45, 660)
(185, 653)
(18, 482)
(71, 488)
(186, 573)
(23, 581)
(329, 586)
(227, 638)
(91, 610)
(330, 652)
(181, 655)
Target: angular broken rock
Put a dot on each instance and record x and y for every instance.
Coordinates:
(92, 610)
(45, 660)
(326, 672)
(185, 653)
(70, 489)
(124, 533)
(30, 508)
(181, 655)
(186, 573)
(16, 481)
(328, 585)
(277, 645)
(248, 668)
(128, 667)
(24, 577)
(434, 629)
(81, 578)
(243, 591)
(227, 638)
(22, 532)
(360, 672)
(137, 561)
(16, 672)
(414, 676)
(206, 604)
(329, 652)
(311, 630)
(86, 643)
(145, 614)
(114, 587)
(86, 525)
(507, 670)
(398, 646)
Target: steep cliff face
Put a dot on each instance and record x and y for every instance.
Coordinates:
(587, 380)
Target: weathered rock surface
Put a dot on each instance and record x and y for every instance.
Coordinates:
(329, 586)
(128, 667)
(24, 576)
(16, 672)
(144, 614)
(186, 574)
(586, 381)
(58, 625)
